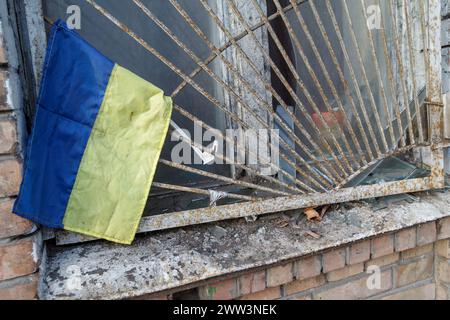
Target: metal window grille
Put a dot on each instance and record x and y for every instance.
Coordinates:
(348, 83)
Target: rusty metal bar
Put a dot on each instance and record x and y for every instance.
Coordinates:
(337, 97)
(305, 91)
(221, 178)
(200, 191)
(250, 170)
(401, 72)
(412, 59)
(191, 82)
(332, 54)
(352, 73)
(392, 82)
(380, 78)
(266, 106)
(275, 205)
(230, 43)
(319, 86)
(206, 215)
(285, 83)
(364, 74)
(216, 78)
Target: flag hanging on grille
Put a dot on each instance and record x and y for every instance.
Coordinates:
(95, 144)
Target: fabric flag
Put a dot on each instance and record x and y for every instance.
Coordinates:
(96, 140)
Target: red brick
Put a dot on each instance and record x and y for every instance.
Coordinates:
(443, 249)
(157, 296)
(359, 252)
(442, 292)
(426, 233)
(303, 285)
(10, 177)
(356, 289)
(308, 267)
(333, 260)
(419, 270)
(251, 283)
(427, 292)
(8, 136)
(443, 270)
(279, 275)
(18, 259)
(443, 228)
(417, 252)
(10, 224)
(300, 297)
(268, 294)
(345, 272)
(383, 261)
(24, 288)
(223, 290)
(382, 246)
(405, 239)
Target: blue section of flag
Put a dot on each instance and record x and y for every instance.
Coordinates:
(74, 81)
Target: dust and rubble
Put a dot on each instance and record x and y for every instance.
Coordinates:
(164, 260)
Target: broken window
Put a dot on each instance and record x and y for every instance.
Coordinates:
(289, 98)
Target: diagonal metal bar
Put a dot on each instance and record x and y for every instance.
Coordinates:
(412, 59)
(392, 82)
(285, 83)
(264, 103)
(306, 92)
(200, 191)
(380, 78)
(193, 118)
(175, 69)
(236, 38)
(351, 71)
(220, 177)
(338, 67)
(401, 71)
(313, 75)
(359, 54)
(225, 85)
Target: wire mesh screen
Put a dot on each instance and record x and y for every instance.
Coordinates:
(326, 89)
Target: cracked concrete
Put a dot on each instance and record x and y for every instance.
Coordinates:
(165, 260)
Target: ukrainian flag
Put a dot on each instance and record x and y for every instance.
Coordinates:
(96, 140)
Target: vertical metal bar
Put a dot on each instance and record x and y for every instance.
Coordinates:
(434, 92)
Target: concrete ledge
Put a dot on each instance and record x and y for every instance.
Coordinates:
(184, 257)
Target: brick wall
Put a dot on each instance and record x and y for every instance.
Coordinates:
(19, 241)
(412, 264)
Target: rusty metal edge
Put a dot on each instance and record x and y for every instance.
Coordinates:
(258, 208)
